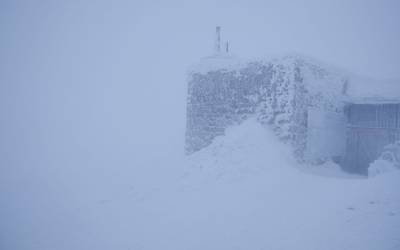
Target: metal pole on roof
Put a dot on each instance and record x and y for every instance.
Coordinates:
(217, 40)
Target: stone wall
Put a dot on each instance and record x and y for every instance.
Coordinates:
(276, 92)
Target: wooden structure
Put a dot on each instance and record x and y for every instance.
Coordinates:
(370, 127)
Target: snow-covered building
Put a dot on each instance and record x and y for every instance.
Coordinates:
(308, 104)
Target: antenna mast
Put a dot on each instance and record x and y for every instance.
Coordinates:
(217, 48)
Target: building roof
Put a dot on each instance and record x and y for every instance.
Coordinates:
(319, 77)
(364, 90)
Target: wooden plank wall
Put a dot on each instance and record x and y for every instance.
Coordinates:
(370, 128)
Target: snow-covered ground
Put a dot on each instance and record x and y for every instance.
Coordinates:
(245, 191)
(253, 195)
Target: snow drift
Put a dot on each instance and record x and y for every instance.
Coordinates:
(246, 191)
(244, 149)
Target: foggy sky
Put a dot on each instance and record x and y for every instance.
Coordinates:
(85, 79)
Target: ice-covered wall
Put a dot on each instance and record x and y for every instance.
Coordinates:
(225, 91)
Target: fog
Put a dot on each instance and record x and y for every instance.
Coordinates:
(93, 93)
(113, 74)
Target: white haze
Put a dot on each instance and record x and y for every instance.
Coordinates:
(92, 93)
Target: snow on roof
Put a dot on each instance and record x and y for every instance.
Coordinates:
(316, 78)
(216, 62)
(365, 90)
(319, 76)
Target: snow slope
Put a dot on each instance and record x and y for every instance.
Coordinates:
(245, 192)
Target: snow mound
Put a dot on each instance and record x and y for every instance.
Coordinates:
(244, 149)
(388, 161)
(380, 167)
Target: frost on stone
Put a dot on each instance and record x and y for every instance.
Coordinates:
(277, 92)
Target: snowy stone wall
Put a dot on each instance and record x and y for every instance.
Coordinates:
(277, 92)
